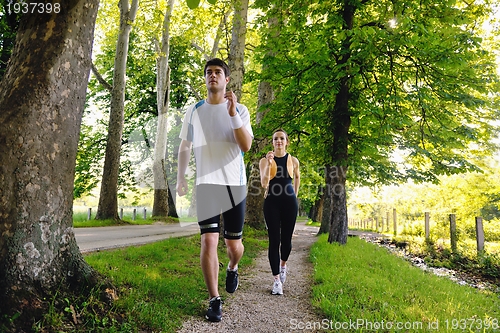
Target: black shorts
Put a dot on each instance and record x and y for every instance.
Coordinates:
(212, 200)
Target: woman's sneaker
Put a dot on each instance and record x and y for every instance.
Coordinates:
(214, 312)
(277, 288)
(283, 274)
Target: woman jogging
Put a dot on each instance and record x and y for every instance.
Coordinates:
(277, 170)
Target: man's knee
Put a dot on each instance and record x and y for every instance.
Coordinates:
(210, 239)
(234, 244)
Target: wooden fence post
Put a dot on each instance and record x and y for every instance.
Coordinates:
(427, 226)
(453, 233)
(387, 221)
(394, 221)
(89, 213)
(133, 214)
(121, 213)
(479, 235)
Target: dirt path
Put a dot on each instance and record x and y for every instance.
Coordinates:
(252, 308)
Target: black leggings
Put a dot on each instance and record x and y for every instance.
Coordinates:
(280, 213)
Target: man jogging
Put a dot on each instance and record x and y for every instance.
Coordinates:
(218, 130)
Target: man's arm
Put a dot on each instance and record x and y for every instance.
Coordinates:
(184, 155)
(241, 134)
(243, 138)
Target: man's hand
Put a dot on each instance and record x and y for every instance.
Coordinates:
(231, 102)
(182, 186)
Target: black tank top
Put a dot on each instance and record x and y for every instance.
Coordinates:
(281, 184)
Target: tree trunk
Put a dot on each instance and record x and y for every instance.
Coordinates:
(340, 121)
(338, 215)
(315, 213)
(236, 55)
(254, 215)
(160, 204)
(42, 97)
(172, 211)
(326, 209)
(108, 198)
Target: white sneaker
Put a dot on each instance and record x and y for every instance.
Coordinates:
(277, 288)
(283, 274)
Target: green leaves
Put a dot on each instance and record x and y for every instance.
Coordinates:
(421, 86)
(193, 4)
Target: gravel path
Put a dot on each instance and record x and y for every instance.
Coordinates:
(252, 308)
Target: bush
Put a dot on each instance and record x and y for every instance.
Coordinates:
(492, 230)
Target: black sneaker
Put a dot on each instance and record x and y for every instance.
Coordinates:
(214, 312)
(231, 281)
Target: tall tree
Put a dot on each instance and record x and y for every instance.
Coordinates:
(379, 77)
(161, 189)
(42, 97)
(108, 198)
(255, 199)
(339, 122)
(236, 56)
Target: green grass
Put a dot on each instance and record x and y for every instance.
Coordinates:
(356, 285)
(80, 220)
(364, 284)
(161, 284)
(309, 222)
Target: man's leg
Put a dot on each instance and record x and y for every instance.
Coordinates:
(234, 219)
(208, 212)
(235, 249)
(210, 262)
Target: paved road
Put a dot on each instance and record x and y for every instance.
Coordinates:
(104, 238)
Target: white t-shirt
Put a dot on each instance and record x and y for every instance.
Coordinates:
(219, 159)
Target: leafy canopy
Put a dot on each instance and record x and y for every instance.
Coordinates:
(423, 84)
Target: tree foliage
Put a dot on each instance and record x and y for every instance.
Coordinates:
(188, 49)
(422, 77)
(466, 195)
(422, 83)
(9, 23)
(367, 79)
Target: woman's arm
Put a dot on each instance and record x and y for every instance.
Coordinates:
(265, 170)
(296, 175)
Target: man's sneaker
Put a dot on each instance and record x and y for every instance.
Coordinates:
(283, 274)
(231, 281)
(214, 312)
(277, 288)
